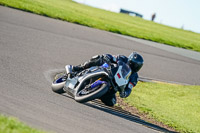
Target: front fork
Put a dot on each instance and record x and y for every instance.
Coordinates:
(97, 83)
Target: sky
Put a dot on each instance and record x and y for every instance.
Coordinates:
(176, 13)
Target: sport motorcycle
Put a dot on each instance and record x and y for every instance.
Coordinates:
(92, 83)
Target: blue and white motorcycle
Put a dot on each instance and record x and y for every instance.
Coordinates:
(92, 83)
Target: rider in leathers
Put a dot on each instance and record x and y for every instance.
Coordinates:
(135, 61)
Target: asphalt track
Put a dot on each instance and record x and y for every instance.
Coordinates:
(33, 48)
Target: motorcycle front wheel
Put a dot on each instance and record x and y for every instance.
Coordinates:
(88, 94)
(58, 83)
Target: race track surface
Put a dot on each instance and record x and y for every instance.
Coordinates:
(33, 48)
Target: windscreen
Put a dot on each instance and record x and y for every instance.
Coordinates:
(126, 71)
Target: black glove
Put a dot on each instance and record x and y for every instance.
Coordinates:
(122, 93)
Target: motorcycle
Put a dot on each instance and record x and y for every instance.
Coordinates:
(92, 83)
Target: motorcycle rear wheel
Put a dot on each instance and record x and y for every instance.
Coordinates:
(58, 83)
(100, 91)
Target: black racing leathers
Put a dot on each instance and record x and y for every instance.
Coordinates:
(133, 78)
(110, 99)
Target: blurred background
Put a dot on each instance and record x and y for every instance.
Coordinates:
(182, 14)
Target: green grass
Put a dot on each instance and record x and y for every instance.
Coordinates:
(119, 23)
(12, 125)
(175, 105)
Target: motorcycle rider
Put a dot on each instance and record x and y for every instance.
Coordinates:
(135, 61)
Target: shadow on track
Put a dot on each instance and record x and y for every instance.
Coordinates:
(97, 104)
(125, 115)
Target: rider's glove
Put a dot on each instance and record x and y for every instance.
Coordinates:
(122, 94)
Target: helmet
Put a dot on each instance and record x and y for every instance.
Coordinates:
(135, 61)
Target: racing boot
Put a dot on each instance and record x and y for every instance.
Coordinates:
(77, 68)
(70, 69)
(83, 66)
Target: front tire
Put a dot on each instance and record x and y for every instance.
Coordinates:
(93, 95)
(58, 83)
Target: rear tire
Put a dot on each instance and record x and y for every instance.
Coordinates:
(58, 83)
(93, 95)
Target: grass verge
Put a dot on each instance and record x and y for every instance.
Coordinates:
(177, 106)
(12, 125)
(114, 22)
